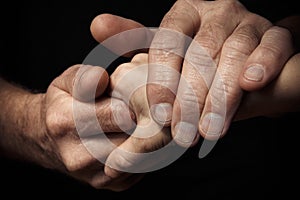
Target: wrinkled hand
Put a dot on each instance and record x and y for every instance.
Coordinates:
(232, 49)
(128, 83)
(149, 146)
(226, 49)
(65, 150)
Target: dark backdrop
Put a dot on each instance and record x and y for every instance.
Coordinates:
(40, 40)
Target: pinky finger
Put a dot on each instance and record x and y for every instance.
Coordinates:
(268, 59)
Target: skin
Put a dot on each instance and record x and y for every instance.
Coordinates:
(237, 49)
(281, 96)
(233, 48)
(39, 128)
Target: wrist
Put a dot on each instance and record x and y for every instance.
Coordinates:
(22, 131)
(34, 129)
(32, 120)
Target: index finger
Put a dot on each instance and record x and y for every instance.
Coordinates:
(165, 58)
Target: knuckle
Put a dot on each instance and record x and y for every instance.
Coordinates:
(276, 33)
(120, 116)
(202, 54)
(72, 164)
(120, 72)
(191, 99)
(160, 93)
(163, 78)
(101, 182)
(232, 6)
(58, 124)
(122, 69)
(167, 41)
(248, 34)
(171, 18)
(158, 56)
(243, 41)
(283, 32)
(262, 24)
(140, 58)
(209, 43)
(76, 159)
(165, 75)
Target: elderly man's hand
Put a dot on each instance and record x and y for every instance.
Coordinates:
(69, 126)
(138, 153)
(230, 50)
(231, 47)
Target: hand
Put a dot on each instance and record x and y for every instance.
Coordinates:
(234, 47)
(128, 83)
(231, 47)
(64, 148)
(280, 97)
(149, 146)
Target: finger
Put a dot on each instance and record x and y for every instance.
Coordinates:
(136, 155)
(281, 96)
(140, 59)
(84, 164)
(106, 115)
(83, 82)
(113, 32)
(198, 72)
(225, 93)
(268, 59)
(165, 58)
(186, 113)
(106, 25)
(90, 82)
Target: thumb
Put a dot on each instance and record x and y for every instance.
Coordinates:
(106, 25)
(120, 35)
(83, 82)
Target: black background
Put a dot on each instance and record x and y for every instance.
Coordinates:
(40, 40)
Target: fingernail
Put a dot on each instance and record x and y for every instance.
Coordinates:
(162, 112)
(185, 133)
(254, 73)
(212, 124)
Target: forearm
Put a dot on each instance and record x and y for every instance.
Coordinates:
(20, 123)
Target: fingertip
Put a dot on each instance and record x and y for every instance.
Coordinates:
(211, 126)
(90, 83)
(162, 113)
(252, 78)
(100, 26)
(185, 134)
(106, 25)
(161, 101)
